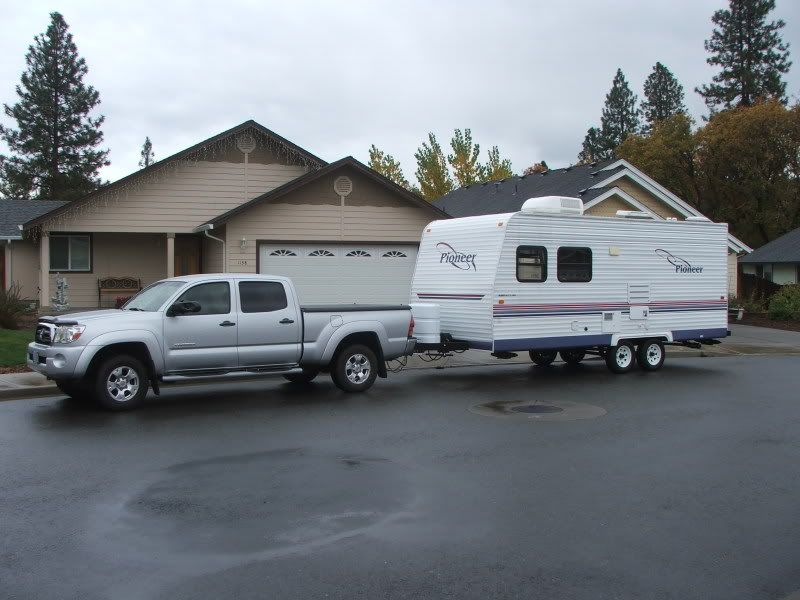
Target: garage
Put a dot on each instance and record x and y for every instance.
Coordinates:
(343, 273)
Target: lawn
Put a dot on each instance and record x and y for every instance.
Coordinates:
(12, 346)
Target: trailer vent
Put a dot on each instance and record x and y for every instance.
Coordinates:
(633, 214)
(638, 293)
(553, 205)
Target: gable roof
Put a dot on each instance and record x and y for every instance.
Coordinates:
(299, 182)
(14, 213)
(785, 249)
(250, 124)
(509, 194)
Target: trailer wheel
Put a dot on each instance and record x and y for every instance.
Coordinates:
(355, 368)
(543, 358)
(572, 357)
(621, 358)
(307, 376)
(650, 355)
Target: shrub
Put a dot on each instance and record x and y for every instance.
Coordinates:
(785, 304)
(755, 303)
(13, 306)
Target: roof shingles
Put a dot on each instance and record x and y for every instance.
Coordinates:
(14, 213)
(785, 249)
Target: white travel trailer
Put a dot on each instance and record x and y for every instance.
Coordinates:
(549, 279)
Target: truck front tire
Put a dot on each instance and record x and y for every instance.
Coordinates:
(121, 383)
(77, 390)
(355, 368)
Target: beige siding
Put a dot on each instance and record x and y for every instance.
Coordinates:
(143, 256)
(609, 207)
(655, 204)
(314, 212)
(733, 278)
(25, 267)
(212, 252)
(185, 195)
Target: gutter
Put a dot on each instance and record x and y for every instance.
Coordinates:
(205, 228)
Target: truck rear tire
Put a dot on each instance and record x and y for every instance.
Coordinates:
(307, 376)
(621, 358)
(355, 368)
(542, 358)
(121, 383)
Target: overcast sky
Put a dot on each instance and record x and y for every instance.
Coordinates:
(335, 77)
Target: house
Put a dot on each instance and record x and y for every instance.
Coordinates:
(777, 261)
(604, 187)
(246, 200)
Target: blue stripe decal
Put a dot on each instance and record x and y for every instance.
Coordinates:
(549, 343)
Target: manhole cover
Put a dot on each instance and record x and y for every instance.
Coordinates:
(537, 409)
(561, 410)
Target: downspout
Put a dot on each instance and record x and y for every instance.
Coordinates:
(205, 229)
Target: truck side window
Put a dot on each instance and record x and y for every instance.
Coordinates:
(574, 264)
(213, 298)
(262, 296)
(531, 263)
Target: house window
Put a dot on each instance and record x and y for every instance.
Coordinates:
(358, 253)
(321, 253)
(531, 264)
(394, 254)
(574, 264)
(71, 253)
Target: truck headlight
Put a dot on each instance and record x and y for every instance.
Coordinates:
(65, 334)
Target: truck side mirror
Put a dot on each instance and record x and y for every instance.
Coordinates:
(183, 308)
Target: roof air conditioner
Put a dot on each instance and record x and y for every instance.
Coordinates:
(553, 205)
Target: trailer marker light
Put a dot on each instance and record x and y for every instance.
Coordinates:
(501, 301)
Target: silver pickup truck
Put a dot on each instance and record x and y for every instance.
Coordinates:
(216, 326)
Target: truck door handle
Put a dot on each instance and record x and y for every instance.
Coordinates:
(227, 324)
(286, 321)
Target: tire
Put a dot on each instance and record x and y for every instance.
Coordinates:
(78, 390)
(543, 358)
(573, 356)
(355, 368)
(621, 358)
(307, 376)
(121, 383)
(650, 355)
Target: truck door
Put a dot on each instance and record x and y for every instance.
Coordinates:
(269, 324)
(205, 339)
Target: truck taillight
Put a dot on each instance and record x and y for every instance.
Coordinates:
(411, 328)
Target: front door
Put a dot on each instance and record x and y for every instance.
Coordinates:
(206, 339)
(269, 324)
(187, 255)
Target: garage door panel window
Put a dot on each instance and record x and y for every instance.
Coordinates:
(574, 265)
(358, 254)
(395, 254)
(283, 252)
(213, 298)
(70, 253)
(321, 253)
(262, 296)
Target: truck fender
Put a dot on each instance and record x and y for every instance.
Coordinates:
(342, 332)
(128, 336)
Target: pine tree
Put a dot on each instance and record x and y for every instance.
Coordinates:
(388, 166)
(464, 159)
(496, 168)
(663, 96)
(432, 174)
(54, 148)
(147, 154)
(620, 119)
(750, 53)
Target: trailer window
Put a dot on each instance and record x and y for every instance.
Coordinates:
(531, 263)
(574, 264)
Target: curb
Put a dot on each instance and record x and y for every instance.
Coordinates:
(28, 391)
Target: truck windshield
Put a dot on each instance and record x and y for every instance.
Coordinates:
(153, 297)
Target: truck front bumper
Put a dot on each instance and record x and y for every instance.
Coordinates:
(55, 362)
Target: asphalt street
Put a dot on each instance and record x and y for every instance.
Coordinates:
(679, 484)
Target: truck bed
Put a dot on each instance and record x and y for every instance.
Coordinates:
(338, 308)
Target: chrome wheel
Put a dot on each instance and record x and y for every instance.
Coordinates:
(653, 354)
(623, 356)
(357, 368)
(122, 383)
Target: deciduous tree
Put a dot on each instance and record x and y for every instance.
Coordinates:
(387, 165)
(464, 159)
(432, 173)
(54, 146)
(496, 168)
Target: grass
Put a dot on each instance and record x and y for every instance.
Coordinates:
(13, 345)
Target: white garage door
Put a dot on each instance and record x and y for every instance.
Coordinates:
(326, 273)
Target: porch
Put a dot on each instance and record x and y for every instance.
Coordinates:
(83, 259)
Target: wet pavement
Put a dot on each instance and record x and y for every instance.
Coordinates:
(682, 484)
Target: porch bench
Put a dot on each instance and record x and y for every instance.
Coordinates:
(107, 285)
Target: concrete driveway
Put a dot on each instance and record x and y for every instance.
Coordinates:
(678, 484)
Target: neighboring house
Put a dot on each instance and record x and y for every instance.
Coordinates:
(777, 261)
(604, 187)
(246, 200)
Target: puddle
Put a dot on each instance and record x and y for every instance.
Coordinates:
(562, 410)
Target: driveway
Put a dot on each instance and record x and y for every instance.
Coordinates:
(678, 484)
